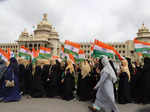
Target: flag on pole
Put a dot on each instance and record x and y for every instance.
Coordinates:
(44, 52)
(25, 53)
(10, 53)
(71, 47)
(101, 48)
(142, 48)
(92, 48)
(71, 57)
(3, 55)
(35, 54)
(81, 56)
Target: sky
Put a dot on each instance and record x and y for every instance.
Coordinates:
(76, 20)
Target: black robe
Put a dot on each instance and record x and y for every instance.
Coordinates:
(37, 85)
(21, 78)
(94, 78)
(145, 82)
(52, 87)
(84, 88)
(124, 95)
(44, 76)
(68, 86)
(28, 79)
(136, 85)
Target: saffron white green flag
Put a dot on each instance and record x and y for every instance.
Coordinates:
(71, 47)
(25, 53)
(101, 48)
(141, 46)
(45, 53)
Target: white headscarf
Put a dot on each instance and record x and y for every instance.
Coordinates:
(108, 69)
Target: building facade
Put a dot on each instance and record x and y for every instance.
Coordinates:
(46, 36)
(13, 47)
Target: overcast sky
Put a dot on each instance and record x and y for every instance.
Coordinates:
(76, 20)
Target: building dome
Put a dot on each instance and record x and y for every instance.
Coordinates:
(143, 29)
(44, 23)
(24, 34)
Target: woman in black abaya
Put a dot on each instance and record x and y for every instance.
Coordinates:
(68, 82)
(124, 95)
(52, 88)
(21, 76)
(84, 86)
(28, 79)
(115, 90)
(37, 86)
(145, 82)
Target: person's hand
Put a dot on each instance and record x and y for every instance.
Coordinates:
(94, 88)
(62, 81)
(97, 70)
(7, 63)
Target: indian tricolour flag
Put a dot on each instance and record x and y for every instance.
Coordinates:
(62, 54)
(35, 54)
(4, 55)
(101, 48)
(141, 46)
(81, 56)
(71, 47)
(66, 56)
(10, 53)
(92, 48)
(45, 52)
(25, 53)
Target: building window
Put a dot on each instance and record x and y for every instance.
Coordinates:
(116, 46)
(123, 51)
(119, 46)
(124, 46)
(119, 51)
(30, 45)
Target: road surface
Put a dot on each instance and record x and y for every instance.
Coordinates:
(58, 105)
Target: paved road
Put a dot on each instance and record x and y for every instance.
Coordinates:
(57, 105)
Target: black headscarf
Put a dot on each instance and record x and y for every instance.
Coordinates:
(100, 65)
(146, 64)
(130, 66)
(13, 65)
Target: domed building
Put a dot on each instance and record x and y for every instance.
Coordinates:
(44, 35)
(143, 34)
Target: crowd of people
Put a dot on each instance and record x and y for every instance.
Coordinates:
(100, 81)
